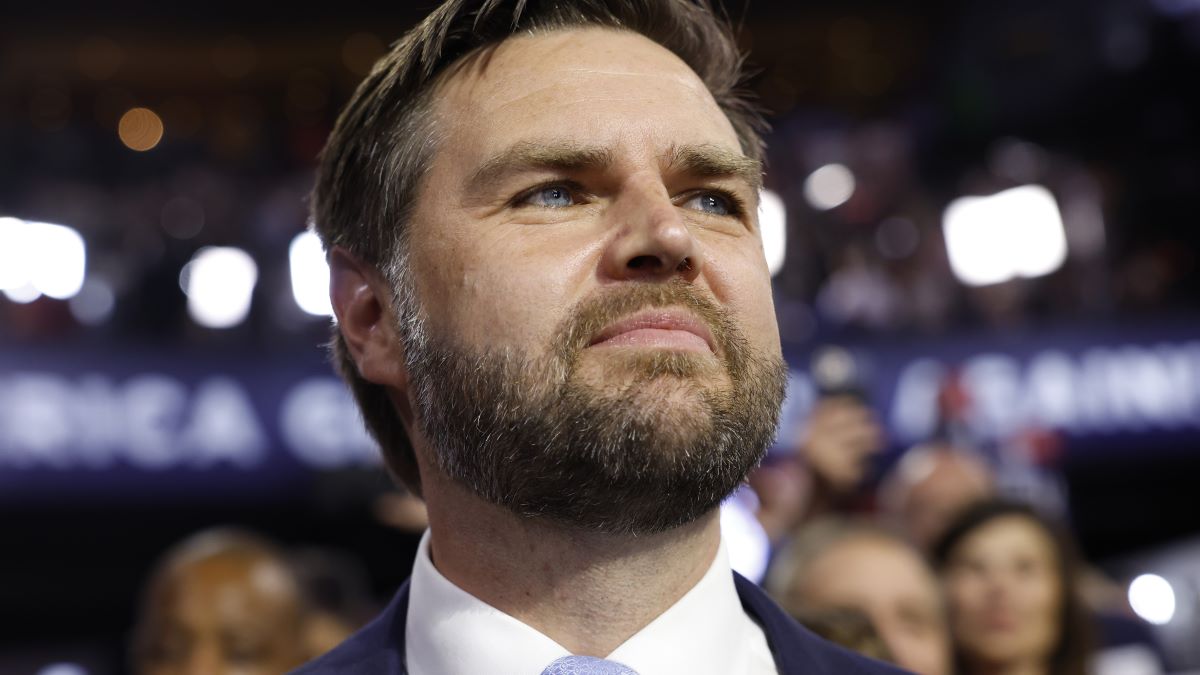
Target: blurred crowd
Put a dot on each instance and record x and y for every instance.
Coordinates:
(939, 566)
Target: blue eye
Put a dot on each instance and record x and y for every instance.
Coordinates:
(551, 196)
(712, 203)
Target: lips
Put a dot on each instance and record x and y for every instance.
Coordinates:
(661, 328)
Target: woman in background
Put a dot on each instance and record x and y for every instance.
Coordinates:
(1010, 583)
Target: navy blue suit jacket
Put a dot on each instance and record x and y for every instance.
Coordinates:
(378, 649)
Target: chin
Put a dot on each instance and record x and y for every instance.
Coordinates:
(675, 399)
(628, 367)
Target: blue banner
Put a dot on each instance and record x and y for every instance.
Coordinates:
(92, 420)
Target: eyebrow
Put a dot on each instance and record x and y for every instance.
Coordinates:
(709, 161)
(531, 156)
(713, 161)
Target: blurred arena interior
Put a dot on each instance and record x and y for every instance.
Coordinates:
(981, 220)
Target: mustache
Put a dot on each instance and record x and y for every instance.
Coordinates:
(598, 311)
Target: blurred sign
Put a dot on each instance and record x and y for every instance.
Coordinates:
(1100, 390)
(166, 422)
(156, 421)
(63, 419)
(1091, 387)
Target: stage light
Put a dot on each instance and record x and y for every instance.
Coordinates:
(58, 262)
(829, 187)
(1014, 233)
(40, 259)
(1152, 598)
(219, 283)
(772, 223)
(22, 295)
(310, 274)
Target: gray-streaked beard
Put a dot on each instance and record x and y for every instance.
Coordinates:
(636, 457)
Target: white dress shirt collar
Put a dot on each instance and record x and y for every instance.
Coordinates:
(450, 632)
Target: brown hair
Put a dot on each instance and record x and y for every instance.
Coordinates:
(371, 168)
(1071, 653)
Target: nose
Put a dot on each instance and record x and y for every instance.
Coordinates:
(653, 241)
(999, 587)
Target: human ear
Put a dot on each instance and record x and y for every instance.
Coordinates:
(361, 299)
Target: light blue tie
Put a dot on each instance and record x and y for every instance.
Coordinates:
(586, 665)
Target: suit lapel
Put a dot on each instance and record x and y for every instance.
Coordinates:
(787, 638)
(396, 629)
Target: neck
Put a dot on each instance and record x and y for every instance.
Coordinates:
(587, 591)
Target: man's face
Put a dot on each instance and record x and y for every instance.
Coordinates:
(890, 585)
(225, 615)
(597, 322)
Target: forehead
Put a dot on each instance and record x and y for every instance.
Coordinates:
(1010, 536)
(605, 85)
(868, 564)
(871, 551)
(224, 588)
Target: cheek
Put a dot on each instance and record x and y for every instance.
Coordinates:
(1043, 598)
(964, 595)
(500, 290)
(741, 282)
(1044, 611)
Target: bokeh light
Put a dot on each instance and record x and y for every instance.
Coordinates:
(94, 303)
(829, 187)
(772, 222)
(63, 669)
(1152, 598)
(1011, 234)
(140, 129)
(219, 282)
(40, 259)
(310, 274)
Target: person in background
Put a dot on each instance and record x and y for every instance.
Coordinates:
(831, 460)
(932, 484)
(222, 602)
(337, 596)
(839, 564)
(929, 486)
(1010, 579)
(849, 628)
